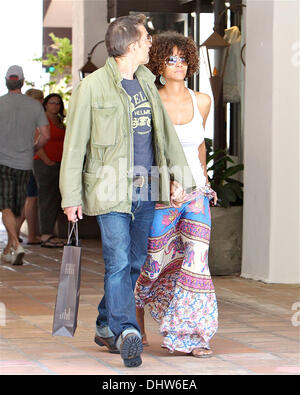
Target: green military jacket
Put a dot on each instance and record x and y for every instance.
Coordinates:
(97, 162)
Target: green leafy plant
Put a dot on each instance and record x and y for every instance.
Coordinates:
(60, 60)
(220, 175)
(58, 63)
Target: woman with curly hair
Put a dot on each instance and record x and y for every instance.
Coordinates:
(175, 281)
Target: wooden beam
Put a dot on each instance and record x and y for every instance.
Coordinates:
(116, 8)
(46, 4)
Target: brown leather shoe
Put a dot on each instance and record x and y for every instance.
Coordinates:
(109, 342)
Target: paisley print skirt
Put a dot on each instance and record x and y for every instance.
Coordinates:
(175, 281)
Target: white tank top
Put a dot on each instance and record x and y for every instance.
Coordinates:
(191, 135)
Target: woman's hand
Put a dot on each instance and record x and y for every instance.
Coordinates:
(177, 194)
(215, 197)
(211, 193)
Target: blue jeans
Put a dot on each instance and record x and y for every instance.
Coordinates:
(124, 247)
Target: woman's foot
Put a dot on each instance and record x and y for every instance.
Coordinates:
(141, 322)
(202, 352)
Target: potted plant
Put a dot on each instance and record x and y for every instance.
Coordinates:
(225, 251)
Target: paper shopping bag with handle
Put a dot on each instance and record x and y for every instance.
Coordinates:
(67, 300)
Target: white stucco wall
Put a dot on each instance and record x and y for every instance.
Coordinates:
(271, 143)
(89, 27)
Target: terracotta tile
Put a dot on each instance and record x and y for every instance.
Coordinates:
(10, 354)
(276, 346)
(255, 332)
(293, 357)
(221, 346)
(29, 369)
(284, 370)
(86, 366)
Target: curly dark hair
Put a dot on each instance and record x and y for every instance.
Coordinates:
(61, 108)
(162, 47)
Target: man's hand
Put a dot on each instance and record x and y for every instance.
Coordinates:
(73, 213)
(177, 194)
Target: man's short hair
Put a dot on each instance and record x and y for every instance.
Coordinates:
(122, 32)
(14, 84)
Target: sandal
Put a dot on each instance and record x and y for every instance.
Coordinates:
(31, 243)
(202, 353)
(48, 243)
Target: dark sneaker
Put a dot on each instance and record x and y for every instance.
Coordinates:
(109, 342)
(131, 348)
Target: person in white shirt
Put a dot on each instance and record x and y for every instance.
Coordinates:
(175, 281)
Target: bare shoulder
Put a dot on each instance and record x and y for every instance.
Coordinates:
(203, 100)
(204, 103)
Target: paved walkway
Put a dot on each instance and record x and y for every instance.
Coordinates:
(258, 332)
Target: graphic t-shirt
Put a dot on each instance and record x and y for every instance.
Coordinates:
(141, 125)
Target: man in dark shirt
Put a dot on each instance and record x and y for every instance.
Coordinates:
(124, 234)
(141, 114)
(124, 240)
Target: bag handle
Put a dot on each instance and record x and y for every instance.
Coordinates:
(70, 232)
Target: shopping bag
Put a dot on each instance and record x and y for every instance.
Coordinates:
(68, 292)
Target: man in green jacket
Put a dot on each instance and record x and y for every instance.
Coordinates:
(120, 153)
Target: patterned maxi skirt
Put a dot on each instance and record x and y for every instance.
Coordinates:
(175, 281)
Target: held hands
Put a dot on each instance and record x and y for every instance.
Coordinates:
(211, 194)
(215, 197)
(177, 194)
(73, 213)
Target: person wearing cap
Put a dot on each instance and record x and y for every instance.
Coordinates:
(20, 115)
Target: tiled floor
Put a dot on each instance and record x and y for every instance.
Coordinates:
(258, 332)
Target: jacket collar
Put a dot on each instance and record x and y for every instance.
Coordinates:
(142, 73)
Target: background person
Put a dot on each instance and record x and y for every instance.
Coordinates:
(175, 280)
(46, 170)
(30, 210)
(19, 116)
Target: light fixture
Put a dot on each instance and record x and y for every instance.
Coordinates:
(217, 63)
(150, 23)
(89, 67)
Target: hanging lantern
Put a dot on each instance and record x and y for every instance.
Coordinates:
(89, 67)
(215, 52)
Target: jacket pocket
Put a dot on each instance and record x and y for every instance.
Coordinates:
(105, 126)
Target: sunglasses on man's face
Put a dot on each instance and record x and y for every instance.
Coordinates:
(172, 60)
